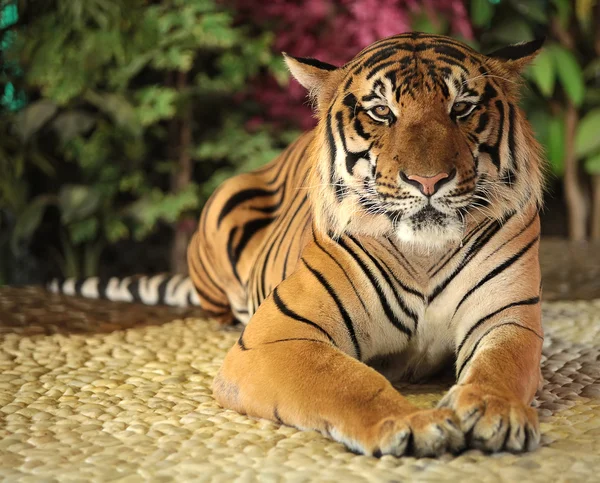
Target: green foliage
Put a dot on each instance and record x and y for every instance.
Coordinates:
(592, 164)
(566, 71)
(569, 72)
(482, 12)
(543, 72)
(113, 84)
(587, 140)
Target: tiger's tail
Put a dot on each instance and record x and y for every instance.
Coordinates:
(163, 289)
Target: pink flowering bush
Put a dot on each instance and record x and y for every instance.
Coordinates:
(333, 32)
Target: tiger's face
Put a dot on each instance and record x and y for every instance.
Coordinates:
(418, 136)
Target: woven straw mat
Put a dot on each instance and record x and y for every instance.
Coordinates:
(87, 397)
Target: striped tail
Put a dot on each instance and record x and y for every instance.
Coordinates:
(163, 289)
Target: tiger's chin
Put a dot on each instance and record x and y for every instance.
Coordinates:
(430, 229)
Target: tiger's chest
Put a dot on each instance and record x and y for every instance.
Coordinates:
(429, 349)
(425, 296)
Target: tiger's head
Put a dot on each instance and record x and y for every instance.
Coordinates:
(418, 136)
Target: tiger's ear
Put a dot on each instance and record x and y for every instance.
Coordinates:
(314, 75)
(518, 56)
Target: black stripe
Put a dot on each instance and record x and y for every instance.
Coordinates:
(498, 270)
(494, 150)
(285, 310)
(351, 101)
(315, 63)
(353, 158)
(345, 315)
(231, 252)
(450, 51)
(511, 136)
(102, 286)
(373, 72)
(197, 257)
(385, 271)
(344, 271)
(242, 196)
(307, 219)
(332, 148)
(530, 301)
(358, 127)
(284, 232)
(339, 118)
(375, 284)
(162, 288)
(518, 51)
(276, 416)
(250, 228)
(468, 359)
(240, 341)
(200, 290)
(529, 223)
(384, 54)
(294, 339)
(409, 268)
(482, 122)
(465, 241)
(133, 288)
(78, 285)
(479, 243)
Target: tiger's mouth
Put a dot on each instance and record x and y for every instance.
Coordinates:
(428, 216)
(427, 226)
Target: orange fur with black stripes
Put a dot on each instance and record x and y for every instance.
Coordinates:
(402, 234)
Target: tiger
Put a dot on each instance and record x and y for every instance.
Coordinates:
(397, 239)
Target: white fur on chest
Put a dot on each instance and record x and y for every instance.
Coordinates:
(427, 350)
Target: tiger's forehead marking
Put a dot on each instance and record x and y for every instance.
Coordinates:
(415, 62)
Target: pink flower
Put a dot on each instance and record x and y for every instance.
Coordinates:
(332, 31)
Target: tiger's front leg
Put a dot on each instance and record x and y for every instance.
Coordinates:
(296, 363)
(498, 374)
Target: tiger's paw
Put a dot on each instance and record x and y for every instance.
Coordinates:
(493, 421)
(422, 433)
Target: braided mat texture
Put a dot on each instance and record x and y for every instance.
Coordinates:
(98, 391)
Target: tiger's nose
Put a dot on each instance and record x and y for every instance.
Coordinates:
(428, 185)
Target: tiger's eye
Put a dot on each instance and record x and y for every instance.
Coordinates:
(462, 108)
(382, 111)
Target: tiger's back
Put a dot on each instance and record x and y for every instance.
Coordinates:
(251, 234)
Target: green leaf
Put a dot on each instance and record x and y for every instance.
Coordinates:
(28, 221)
(543, 73)
(587, 137)
(429, 23)
(592, 96)
(569, 73)
(77, 202)
(83, 230)
(592, 70)
(550, 132)
(556, 144)
(115, 230)
(563, 12)
(155, 104)
(592, 164)
(72, 123)
(532, 9)
(159, 206)
(510, 31)
(31, 119)
(118, 108)
(482, 12)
